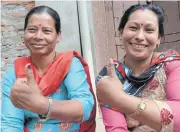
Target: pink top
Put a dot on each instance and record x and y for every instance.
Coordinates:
(116, 122)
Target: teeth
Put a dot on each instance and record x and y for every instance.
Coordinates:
(138, 46)
(38, 46)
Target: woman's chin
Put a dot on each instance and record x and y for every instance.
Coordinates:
(138, 56)
(38, 52)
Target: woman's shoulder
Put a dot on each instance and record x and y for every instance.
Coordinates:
(172, 65)
(165, 56)
(75, 62)
(166, 52)
(76, 65)
(172, 61)
(74, 56)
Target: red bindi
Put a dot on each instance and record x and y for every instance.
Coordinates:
(39, 24)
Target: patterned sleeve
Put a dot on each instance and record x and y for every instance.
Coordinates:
(169, 110)
(173, 93)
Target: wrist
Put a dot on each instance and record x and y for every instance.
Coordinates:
(124, 103)
(43, 106)
(119, 102)
(129, 103)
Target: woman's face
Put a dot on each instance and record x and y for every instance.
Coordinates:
(40, 35)
(140, 35)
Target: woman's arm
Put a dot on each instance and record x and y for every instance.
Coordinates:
(114, 121)
(12, 118)
(173, 92)
(81, 102)
(159, 115)
(149, 116)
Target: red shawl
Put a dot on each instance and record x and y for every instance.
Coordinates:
(52, 78)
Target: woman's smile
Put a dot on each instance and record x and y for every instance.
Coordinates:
(37, 46)
(138, 46)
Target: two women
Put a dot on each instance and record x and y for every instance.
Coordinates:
(50, 92)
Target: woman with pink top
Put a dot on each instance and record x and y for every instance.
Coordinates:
(141, 92)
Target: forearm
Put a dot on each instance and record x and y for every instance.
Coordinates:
(66, 110)
(150, 116)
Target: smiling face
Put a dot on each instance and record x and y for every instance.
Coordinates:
(140, 35)
(40, 34)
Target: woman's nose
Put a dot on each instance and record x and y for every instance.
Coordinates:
(38, 35)
(140, 35)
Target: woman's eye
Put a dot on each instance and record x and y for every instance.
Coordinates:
(47, 31)
(149, 30)
(133, 28)
(31, 29)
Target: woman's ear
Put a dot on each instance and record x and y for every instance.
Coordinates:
(120, 32)
(159, 40)
(58, 37)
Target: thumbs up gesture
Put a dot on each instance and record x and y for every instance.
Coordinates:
(109, 87)
(26, 94)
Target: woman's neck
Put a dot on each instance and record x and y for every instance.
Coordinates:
(41, 62)
(137, 67)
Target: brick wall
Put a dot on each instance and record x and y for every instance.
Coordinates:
(12, 23)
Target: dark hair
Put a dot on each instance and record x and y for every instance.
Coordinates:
(155, 8)
(49, 11)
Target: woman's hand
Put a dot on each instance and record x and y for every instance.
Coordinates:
(26, 94)
(109, 87)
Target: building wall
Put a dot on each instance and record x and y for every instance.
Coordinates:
(12, 30)
(106, 18)
(13, 16)
(67, 10)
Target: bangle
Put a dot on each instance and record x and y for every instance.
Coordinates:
(141, 107)
(46, 117)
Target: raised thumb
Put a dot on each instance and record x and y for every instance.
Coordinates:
(110, 69)
(29, 74)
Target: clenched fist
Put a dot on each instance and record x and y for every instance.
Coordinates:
(109, 87)
(26, 94)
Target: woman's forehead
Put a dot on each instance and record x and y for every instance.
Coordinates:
(41, 19)
(143, 16)
(143, 22)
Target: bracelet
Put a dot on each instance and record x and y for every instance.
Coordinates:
(141, 107)
(46, 117)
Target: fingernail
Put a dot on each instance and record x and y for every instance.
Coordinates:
(110, 61)
(29, 66)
